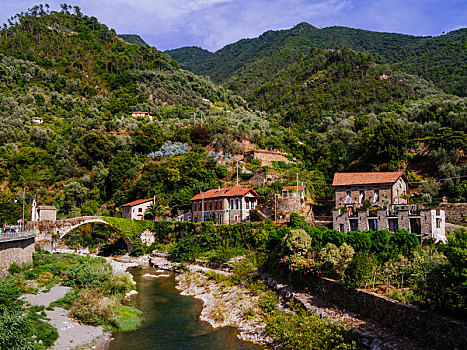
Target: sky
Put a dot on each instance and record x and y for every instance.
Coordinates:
(212, 24)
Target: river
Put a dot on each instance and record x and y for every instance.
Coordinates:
(171, 321)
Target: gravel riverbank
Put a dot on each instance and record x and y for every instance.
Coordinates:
(72, 334)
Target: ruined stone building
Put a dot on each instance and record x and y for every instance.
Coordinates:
(379, 201)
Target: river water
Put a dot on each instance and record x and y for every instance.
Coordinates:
(171, 321)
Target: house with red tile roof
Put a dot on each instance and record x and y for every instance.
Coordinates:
(387, 193)
(380, 188)
(135, 210)
(228, 205)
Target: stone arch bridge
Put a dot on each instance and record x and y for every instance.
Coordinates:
(49, 232)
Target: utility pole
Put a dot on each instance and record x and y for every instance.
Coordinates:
(22, 222)
(202, 207)
(275, 207)
(297, 196)
(237, 173)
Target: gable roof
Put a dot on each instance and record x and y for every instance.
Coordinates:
(293, 188)
(139, 201)
(346, 179)
(225, 192)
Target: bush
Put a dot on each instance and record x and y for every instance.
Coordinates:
(306, 331)
(335, 259)
(94, 310)
(14, 269)
(358, 270)
(296, 242)
(184, 250)
(297, 221)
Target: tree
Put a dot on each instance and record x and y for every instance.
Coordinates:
(387, 144)
(296, 242)
(156, 210)
(358, 270)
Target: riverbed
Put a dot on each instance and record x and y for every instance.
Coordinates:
(170, 320)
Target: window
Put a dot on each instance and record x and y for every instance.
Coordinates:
(341, 227)
(393, 225)
(361, 197)
(247, 203)
(415, 226)
(253, 202)
(397, 196)
(438, 223)
(373, 224)
(348, 198)
(376, 196)
(235, 217)
(353, 224)
(232, 204)
(236, 203)
(220, 204)
(140, 210)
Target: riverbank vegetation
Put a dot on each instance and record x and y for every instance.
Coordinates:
(95, 298)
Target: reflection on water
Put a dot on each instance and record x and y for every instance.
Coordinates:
(171, 321)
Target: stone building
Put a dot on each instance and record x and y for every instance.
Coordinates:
(351, 189)
(228, 205)
(390, 210)
(135, 210)
(291, 191)
(43, 212)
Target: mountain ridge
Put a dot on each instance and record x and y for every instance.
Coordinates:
(436, 58)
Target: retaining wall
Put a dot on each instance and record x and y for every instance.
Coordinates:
(433, 329)
(18, 250)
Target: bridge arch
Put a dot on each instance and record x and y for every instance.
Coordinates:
(60, 228)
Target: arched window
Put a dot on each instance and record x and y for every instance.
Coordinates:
(236, 203)
(247, 203)
(232, 204)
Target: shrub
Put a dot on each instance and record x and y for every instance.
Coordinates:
(14, 269)
(335, 259)
(297, 221)
(306, 331)
(91, 309)
(358, 270)
(184, 250)
(296, 242)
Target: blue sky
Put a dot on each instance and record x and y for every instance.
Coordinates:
(212, 24)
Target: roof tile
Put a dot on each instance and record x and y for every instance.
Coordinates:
(224, 192)
(139, 201)
(346, 179)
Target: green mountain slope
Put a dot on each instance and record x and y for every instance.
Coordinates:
(132, 39)
(76, 46)
(440, 59)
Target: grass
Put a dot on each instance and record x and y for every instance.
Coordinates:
(129, 318)
(44, 332)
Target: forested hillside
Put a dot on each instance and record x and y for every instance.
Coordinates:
(330, 110)
(440, 59)
(89, 155)
(132, 39)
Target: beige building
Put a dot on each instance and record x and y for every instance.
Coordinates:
(228, 205)
(141, 114)
(135, 210)
(390, 208)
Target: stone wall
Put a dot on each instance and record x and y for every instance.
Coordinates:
(18, 250)
(456, 213)
(435, 330)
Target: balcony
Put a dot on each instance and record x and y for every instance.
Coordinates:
(414, 209)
